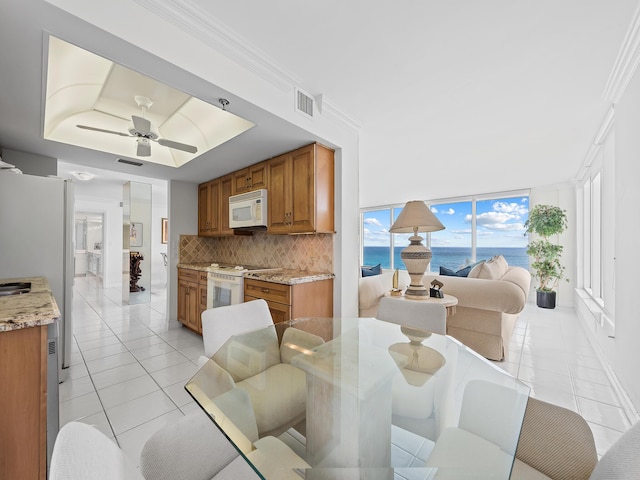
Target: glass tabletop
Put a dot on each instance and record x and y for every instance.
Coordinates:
(338, 398)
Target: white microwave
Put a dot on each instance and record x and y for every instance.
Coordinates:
(248, 209)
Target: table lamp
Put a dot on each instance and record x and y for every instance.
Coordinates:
(416, 217)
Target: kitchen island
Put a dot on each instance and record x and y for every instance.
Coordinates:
(24, 319)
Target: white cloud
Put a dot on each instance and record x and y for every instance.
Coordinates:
(451, 211)
(465, 231)
(372, 221)
(512, 208)
(434, 210)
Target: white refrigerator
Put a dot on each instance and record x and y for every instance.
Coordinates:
(36, 240)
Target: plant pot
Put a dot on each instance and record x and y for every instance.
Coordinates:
(546, 299)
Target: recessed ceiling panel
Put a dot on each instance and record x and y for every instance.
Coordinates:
(92, 102)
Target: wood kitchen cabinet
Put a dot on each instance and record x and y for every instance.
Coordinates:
(209, 207)
(192, 298)
(287, 302)
(23, 403)
(250, 178)
(226, 190)
(301, 191)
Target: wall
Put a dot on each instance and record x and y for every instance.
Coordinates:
(625, 356)
(313, 253)
(31, 163)
(183, 220)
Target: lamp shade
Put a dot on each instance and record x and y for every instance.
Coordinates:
(416, 215)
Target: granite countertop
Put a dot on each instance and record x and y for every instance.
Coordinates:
(203, 266)
(281, 275)
(33, 309)
(289, 277)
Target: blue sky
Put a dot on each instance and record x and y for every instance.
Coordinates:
(500, 223)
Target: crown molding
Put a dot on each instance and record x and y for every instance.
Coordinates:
(210, 31)
(626, 63)
(330, 108)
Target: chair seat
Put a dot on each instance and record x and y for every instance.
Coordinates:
(277, 409)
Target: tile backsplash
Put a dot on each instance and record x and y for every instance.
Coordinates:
(301, 252)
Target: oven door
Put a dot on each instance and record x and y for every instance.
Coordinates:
(223, 290)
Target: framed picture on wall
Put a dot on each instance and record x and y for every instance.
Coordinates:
(135, 235)
(165, 230)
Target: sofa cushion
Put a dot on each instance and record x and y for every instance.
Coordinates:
(492, 269)
(371, 271)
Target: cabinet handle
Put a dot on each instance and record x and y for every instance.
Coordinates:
(265, 290)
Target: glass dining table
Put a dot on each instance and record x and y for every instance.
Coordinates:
(355, 398)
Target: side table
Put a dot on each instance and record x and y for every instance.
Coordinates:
(449, 301)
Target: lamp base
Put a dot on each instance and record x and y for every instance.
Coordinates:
(416, 258)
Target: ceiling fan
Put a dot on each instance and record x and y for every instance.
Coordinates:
(141, 131)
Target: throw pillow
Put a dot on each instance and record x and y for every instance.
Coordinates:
(371, 271)
(501, 263)
(448, 272)
(475, 271)
(463, 272)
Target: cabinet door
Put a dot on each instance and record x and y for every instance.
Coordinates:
(258, 175)
(204, 214)
(279, 312)
(214, 206)
(302, 186)
(202, 299)
(279, 194)
(241, 181)
(226, 187)
(183, 292)
(193, 304)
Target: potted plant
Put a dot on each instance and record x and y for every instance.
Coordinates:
(546, 221)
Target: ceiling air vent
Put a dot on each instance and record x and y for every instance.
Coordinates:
(304, 102)
(129, 162)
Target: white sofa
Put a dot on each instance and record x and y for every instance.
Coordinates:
(487, 308)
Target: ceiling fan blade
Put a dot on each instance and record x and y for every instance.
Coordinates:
(178, 146)
(144, 147)
(142, 125)
(85, 127)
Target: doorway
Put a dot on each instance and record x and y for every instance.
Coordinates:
(89, 240)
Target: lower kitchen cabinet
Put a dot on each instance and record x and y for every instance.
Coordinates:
(192, 298)
(23, 404)
(287, 302)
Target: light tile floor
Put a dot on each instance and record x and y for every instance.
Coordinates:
(130, 364)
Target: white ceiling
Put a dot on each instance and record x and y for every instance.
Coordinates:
(477, 95)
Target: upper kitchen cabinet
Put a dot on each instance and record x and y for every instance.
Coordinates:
(209, 205)
(226, 190)
(250, 178)
(301, 191)
(213, 206)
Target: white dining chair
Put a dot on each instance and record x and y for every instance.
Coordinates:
(221, 323)
(429, 316)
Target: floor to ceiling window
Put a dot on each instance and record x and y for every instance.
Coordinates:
(476, 228)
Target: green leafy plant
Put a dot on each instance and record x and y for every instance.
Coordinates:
(546, 221)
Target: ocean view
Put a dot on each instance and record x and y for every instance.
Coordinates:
(449, 257)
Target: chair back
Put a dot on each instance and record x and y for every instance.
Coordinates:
(81, 452)
(424, 315)
(219, 324)
(622, 459)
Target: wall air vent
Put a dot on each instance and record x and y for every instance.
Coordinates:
(129, 162)
(305, 103)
